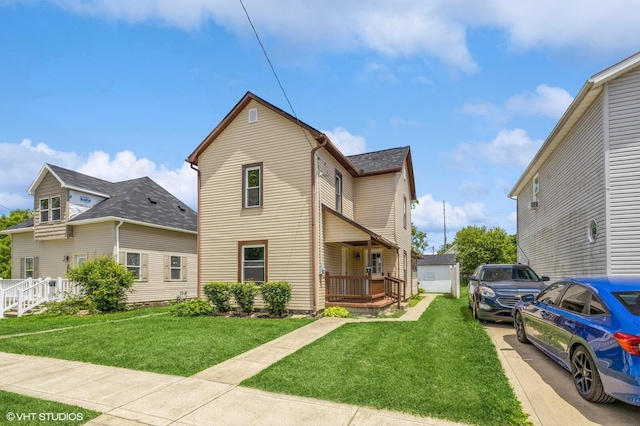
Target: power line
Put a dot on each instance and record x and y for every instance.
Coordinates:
(273, 69)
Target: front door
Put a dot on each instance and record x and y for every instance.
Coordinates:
(376, 263)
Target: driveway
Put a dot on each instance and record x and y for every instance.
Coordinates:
(546, 390)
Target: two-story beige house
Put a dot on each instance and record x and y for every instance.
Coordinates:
(277, 201)
(78, 217)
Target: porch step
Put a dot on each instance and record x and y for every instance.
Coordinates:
(13, 312)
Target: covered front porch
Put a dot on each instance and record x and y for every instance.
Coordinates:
(362, 268)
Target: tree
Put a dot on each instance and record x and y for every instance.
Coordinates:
(477, 244)
(15, 216)
(419, 241)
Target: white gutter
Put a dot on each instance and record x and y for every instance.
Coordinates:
(133, 222)
(117, 246)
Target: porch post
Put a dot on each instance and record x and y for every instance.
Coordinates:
(370, 265)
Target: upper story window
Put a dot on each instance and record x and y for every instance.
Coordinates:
(338, 192)
(536, 187)
(253, 115)
(252, 185)
(55, 208)
(44, 210)
(404, 211)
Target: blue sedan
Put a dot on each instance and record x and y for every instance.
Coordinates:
(591, 327)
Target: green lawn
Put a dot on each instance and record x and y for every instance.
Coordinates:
(163, 344)
(24, 410)
(33, 323)
(442, 366)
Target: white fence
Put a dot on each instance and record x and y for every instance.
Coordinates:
(25, 295)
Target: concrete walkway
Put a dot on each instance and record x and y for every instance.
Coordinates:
(129, 397)
(213, 396)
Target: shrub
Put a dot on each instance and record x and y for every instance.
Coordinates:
(71, 305)
(245, 294)
(219, 294)
(276, 296)
(104, 281)
(192, 308)
(336, 312)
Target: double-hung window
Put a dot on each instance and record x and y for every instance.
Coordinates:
(404, 211)
(536, 187)
(55, 208)
(338, 192)
(133, 264)
(252, 185)
(29, 267)
(176, 268)
(252, 261)
(44, 210)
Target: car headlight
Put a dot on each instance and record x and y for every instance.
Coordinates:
(486, 292)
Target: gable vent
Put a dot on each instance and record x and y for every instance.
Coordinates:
(153, 200)
(253, 115)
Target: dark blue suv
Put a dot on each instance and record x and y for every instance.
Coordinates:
(494, 289)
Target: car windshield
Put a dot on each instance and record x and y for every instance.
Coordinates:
(509, 273)
(630, 300)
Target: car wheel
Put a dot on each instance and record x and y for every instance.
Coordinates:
(520, 331)
(586, 377)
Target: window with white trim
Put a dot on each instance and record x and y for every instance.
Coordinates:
(404, 211)
(536, 187)
(44, 210)
(253, 261)
(253, 115)
(175, 267)
(80, 259)
(134, 264)
(338, 192)
(252, 185)
(29, 267)
(55, 208)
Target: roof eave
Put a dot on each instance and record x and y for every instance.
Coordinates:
(16, 231)
(132, 222)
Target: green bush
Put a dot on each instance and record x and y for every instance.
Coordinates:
(192, 308)
(276, 296)
(104, 281)
(335, 312)
(245, 294)
(220, 295)
(71, 305)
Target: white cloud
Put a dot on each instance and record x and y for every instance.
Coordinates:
(547, 101)
(510, 148)
(17, 176)
(397, 28)
(347, 143)
(428, 214)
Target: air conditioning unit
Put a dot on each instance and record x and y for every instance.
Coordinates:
(533, 205)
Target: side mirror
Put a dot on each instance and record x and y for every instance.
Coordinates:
(528, 298)
(544, 278)
(472, 278)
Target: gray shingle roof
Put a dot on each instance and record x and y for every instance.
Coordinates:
(387, 159)
(81, 181)
(437, 259)
(138, 200)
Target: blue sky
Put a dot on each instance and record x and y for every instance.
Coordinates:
(120, 89)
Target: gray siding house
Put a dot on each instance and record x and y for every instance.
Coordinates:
(578, 201)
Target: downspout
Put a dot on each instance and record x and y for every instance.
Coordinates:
(117, 247)
(314, 237)
(198, 240)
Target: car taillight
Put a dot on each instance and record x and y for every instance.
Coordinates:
(628, 342)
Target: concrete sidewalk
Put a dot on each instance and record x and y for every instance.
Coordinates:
(212, 396)
(128, 397)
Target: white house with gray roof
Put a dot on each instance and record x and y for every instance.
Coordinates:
(78, 217)
(578, 201)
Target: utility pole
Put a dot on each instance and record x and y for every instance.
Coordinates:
(444, 215)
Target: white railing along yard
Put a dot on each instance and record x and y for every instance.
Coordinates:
(24, 295)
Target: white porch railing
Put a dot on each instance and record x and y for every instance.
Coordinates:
(24, 295)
